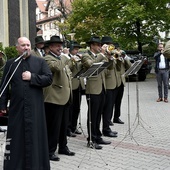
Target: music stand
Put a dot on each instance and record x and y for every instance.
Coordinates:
(78, 76)
(93, 71)
(138, 117)
(132, 70)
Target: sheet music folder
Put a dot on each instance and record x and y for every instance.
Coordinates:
(95, 69)
(134, 68)
(80, 73)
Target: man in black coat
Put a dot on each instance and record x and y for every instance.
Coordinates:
(27, 144)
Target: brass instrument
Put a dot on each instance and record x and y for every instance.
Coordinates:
(76, 58)
(111, 50)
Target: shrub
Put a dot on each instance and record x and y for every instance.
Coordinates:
(1, 48)
(11, 52)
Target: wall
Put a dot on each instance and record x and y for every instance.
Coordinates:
(18, 19)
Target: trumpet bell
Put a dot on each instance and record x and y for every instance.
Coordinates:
(110, 48)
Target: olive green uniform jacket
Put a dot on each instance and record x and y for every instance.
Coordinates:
(94, 84)
(123, 65)
(60, 91)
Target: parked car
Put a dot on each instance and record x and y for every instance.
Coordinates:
(145, 68)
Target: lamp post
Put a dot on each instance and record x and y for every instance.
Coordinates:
(72, 36)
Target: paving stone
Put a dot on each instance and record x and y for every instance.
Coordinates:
(143, 143)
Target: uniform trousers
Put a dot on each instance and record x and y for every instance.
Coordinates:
(57, 117)
(95, 107)
(74, 110)
(108, 109)
(118, 100)
(162, 78)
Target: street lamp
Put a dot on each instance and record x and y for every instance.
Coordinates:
(72, 36)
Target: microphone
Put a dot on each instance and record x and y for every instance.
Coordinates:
(25, 53)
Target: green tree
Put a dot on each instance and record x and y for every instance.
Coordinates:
(130, 22)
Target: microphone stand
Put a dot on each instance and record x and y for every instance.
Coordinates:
(4, 130)
(10, 77)
(20, 58)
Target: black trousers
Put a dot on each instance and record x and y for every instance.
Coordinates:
(74, 110)
(108, 109)
(118, 100)
(95, 108)
(57, 117)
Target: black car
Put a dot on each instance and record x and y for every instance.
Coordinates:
(145, 68)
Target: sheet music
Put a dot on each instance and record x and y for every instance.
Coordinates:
(91, 70)
(79, 73)
(103, 66)
(95, 69)
(134, 68)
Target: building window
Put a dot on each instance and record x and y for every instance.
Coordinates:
(40, 26)
(50, 25)
(45, 26)
(57, 12)
(49, 14)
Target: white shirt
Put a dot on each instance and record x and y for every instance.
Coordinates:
(40, 51)
(162, 64)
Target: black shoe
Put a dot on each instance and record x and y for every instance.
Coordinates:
(103, 142)
(118, 121)
(77, 132)
(54, 158)
(110, 134)
(94, 145)
(70, 134)
(111, 123)
(66, 152)
(114, 132)
(2, 130)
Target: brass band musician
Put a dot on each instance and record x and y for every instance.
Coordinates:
(95, 94)
(111, 84)
(124, 64)
(77, 86)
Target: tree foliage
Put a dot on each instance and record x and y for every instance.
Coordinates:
(131, 23)
(11, 52)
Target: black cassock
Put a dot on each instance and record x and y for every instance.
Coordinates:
(27, 145)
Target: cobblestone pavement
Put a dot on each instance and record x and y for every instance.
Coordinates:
(143, 142)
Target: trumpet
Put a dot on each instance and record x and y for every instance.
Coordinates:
(77, 57)
(111, 50)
